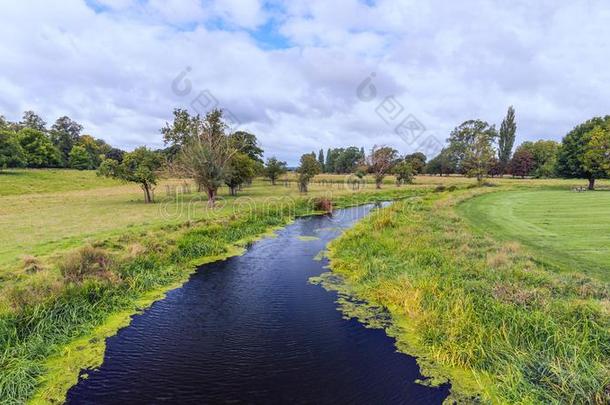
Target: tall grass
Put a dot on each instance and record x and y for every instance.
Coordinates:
(485, 313)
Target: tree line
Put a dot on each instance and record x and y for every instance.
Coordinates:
(476, 149)
(29, 143)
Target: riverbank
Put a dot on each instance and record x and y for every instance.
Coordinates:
(483, 313)
(55, 321)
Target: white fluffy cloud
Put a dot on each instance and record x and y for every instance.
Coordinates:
(289, 71)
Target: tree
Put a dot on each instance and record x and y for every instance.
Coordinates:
(115, 154)
(321, 159)
(544, 154)
(441, 164)
(328, 167)
(79, 158)
(479, 156)
(308, 168)
(205, 150)
(380, 162)
(570, 160)
(247, 143)
(274, 169)
(140, 166)
(404, 172)
(11, 152)
(506, 138)
(39, 150)
(464, 138)
(522, 163)
(64, 134)
(596, 158)
(33, 121)
(418, 162)
(241, 170)
(347, 160)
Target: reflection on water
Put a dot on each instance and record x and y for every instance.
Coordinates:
(251, 329)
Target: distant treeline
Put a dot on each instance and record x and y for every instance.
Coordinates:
(476, 149)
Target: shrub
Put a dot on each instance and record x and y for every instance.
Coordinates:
(323, 204)
(440, 188)
(87, 261)
(31, 264)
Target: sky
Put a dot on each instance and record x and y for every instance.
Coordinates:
(307, 74)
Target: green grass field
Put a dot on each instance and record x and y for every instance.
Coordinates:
(570, 231)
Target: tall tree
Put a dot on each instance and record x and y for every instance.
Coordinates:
(274, 169)
(380, 162)
(140, 166)
(570, 160)
(404, 172)
(328, 164)
(79, 158)
(321, 159)
(506, 138)
(64, 134)
(307, 170)
(33, 121)
(418, 162)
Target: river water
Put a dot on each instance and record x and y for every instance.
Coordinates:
(252, 329)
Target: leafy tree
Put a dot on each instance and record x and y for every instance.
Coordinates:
(4, 124)
(79, 158)
(39, 150)
(464, 138)
(522, 163)
(307, 170)
(441, 164)
(96, 149)
(404, 172)
(33, 121)
(570, 160)
(247, 143)
(321, 159)
(328, 167)
(418, 162)
(11, 152)
(596, 158)
(64, 134)
(347, 160)
(274, 169)
(205, 150)
(506, 138)
(140, 166)
(380, 162)
(544, 154)
(183, 128)
(115, 154)
(241, 170)
(479, 156)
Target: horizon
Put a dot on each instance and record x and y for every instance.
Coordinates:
(119, 67)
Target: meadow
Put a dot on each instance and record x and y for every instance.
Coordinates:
(80, 254)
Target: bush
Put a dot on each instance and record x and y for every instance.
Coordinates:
(87, 261)
(31, 264)
(323, 204)
(440, 189)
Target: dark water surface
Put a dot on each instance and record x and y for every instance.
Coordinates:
(251, 329)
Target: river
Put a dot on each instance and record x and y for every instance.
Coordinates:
(252, 329)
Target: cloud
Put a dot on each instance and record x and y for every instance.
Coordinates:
(289, 71)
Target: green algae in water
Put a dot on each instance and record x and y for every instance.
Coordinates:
(321, 255)
(308, 238)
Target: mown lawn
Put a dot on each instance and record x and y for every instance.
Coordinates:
(36, 181)
(568, 230)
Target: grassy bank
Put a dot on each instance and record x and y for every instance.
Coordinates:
(482, 312)
(56, 310)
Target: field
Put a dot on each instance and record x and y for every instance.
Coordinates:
(571, 230)
(80, 254)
